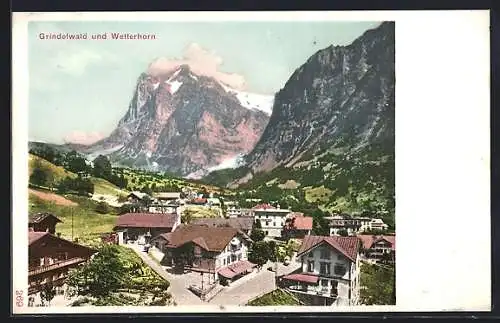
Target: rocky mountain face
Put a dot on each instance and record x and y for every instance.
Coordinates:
(185, 124)
(341, 98)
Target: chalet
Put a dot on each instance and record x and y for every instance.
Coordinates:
(168, 207)
(43, 222)
(49, 259)
(381, 248)
(141, 227)
(354, 225)
(244, 224)
(272, 219)
(221, 252)
(213, 201)
(297, 226)
(137, 197)
(329, 274)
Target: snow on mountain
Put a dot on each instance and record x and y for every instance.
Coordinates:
(252, 101)
(173, 86)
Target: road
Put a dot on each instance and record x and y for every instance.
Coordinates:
(178, 283)
(238, 293)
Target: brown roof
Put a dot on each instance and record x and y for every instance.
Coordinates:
(34, 236)
(368, 240)
(243, 223)
(209, 238)
(39, 217)
(348, 246)
(300, 223)
(146, 220)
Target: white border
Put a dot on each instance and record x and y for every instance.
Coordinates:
(442, 155)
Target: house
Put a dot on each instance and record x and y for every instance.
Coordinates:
(378, 248)
(329, 274)
(49, 259)
(344, 222)
(213, 201)
(297, 226)
(244, 224)
(141, 227)
(43, 222)
(137, 197)
(168, 207)
(220, 252)
(272, 219)
(377, 225)
(167, 196)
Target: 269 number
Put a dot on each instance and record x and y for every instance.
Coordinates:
(19, 298)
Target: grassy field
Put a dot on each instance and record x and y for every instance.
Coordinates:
(104, 187)
(87, 223)
(57, 172)
(202, 212)
(275, 298)
(318, 194)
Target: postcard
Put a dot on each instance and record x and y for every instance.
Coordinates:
(250, 162)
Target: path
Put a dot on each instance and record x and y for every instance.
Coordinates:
(51, 197)
(178, 284)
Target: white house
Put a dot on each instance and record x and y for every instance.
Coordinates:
(272, 219)
(354, 225)
(330, 271)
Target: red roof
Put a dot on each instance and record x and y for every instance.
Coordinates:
(264, 206)
(236, 268)
(368, 240)
(302, 278)
(199, 201)
(348, 246)
(146, 220)
(300, 223)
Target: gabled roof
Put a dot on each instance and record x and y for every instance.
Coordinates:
(347, 246)
(198, 200)
(138, 194)
(209, 238)
(300, 223)
(34, 237)
(40, 217)
(368, 240)
(146, 220)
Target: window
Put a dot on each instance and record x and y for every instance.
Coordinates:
(239, 257)
(324, 283)
(274, 224)
(224, 261)
(324, 268)
(311, 255)
(228, 260)
(310, 266)
(325, 254)
(340, 269)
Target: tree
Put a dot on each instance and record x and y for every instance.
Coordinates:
(257, 234)
(40, 175)
(343, 233)
(102, 207)
(100, 276)
(75, 163)
(187, 216)
(259, 253)
(47, 293)
(320, 224)
(102, 167)
(377, 285)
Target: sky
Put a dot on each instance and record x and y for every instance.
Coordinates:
(79, 89)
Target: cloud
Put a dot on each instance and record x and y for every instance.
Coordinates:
(84, 138)
(202, 62)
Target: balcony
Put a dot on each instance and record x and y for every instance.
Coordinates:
(60, 264)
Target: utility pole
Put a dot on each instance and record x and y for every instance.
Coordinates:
(72, 237)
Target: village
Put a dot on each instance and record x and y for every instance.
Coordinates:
(236, 257)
